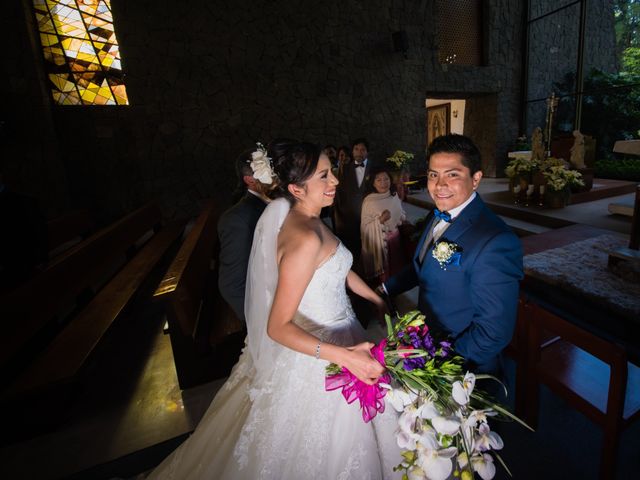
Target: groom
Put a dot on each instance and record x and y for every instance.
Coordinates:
(469, 285)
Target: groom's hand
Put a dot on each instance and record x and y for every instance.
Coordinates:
(381, 310)
(389, 307)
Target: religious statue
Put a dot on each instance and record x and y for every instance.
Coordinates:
(577, 151)
(537, 145)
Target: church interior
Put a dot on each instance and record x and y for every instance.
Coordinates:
(120, 126)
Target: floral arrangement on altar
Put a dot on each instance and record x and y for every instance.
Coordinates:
(521, 165)
(400, 159)
(559, 178)
(444, 420)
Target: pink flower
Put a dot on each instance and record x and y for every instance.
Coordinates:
(371, 397)
(377, 351)
(405, 347)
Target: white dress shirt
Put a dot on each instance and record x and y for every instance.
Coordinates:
(360, 171)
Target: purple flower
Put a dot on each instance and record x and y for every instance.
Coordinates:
(412, 363)
(445, 348)
(415, 340)
(428, 345)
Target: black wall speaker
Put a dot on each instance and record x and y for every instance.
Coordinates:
(400, 41)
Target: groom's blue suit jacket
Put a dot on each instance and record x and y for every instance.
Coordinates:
(475, 301)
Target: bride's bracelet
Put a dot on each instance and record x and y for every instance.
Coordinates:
(318, 350)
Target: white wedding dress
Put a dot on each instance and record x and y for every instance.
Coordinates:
(277, 421)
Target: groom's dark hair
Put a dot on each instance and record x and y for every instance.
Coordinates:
(455, 143)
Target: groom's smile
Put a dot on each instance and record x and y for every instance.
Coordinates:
(450, 182)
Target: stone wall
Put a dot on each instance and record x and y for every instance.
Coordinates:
(553, 53)
(206, 79)
(29, 154)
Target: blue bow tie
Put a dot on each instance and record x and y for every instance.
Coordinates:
(444, 216)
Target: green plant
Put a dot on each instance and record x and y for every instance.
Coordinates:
(560, 178)
(522, 144)
(521, 166)
(621, 169)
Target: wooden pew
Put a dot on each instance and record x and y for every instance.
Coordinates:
(206, 337)
(591, 373)
(53, 323)
(68, 230)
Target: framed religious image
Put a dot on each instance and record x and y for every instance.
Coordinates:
(438, 121)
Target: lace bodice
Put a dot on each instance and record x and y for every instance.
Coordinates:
(325, 302)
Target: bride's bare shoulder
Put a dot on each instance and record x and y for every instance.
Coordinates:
(299, 238)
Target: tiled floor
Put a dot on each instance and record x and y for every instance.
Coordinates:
(117, 426)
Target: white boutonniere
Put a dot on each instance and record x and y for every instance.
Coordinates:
(261, 165)
(446, 253)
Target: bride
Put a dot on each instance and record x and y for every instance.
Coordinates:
(273, 419)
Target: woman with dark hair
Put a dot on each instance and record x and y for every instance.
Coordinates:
(330, 151)
(343, 157)
(273, 418)
(382, 213)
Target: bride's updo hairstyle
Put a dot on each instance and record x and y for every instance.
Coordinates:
(293, 163)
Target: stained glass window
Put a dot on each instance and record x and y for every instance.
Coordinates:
(81, 52)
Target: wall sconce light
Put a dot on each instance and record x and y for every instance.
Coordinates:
(451, 58)
(455, 113)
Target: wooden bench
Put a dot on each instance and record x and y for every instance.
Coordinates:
(591, 373)
(206, 337)
(52, 324)
(518, 350)
(67, 231)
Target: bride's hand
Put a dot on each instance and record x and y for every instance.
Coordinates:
(362, 364)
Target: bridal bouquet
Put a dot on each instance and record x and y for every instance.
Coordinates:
(444, 420)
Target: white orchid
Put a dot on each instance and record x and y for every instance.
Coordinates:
(416, 473)
(428, 410)
(487, 440)
(461, 391)
(483, 465)
(428, 439)
(481, 416)
(436, 463)
(408, 418)
(399, 398)
(407, 440)
(261, 165)
(446, 425)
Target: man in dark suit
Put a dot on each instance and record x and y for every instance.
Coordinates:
(349, 195)
(235, 232)
(468, 262)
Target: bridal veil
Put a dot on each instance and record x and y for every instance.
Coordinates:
(262, 279)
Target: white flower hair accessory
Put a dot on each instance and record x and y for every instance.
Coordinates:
(261, 165)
